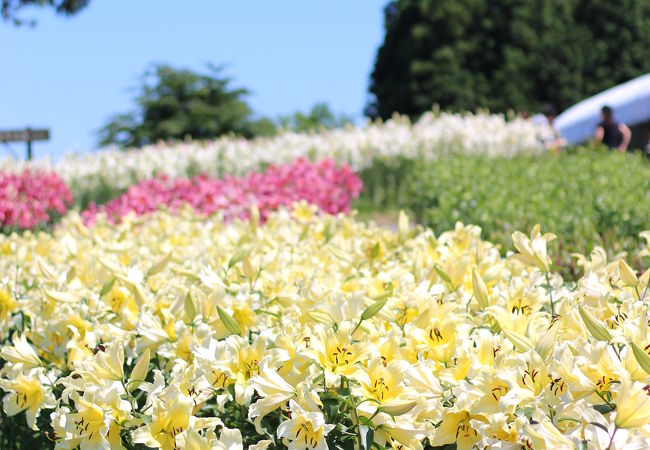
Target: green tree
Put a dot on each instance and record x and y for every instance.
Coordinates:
(320, 116)
(175, 104)
(502, 54)
(10, 8)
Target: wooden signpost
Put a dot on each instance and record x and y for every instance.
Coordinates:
(27, 135)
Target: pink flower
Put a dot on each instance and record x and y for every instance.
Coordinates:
(28, 198)
(323, 184)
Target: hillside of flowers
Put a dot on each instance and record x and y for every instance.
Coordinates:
(105, 174)
(315, 331)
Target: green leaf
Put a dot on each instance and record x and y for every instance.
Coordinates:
(72, 273)
(604, 409)
(192, 276)
(525, 411)
(303, 233)
(331, 408)
(160, 265)
(373, 309)
(329, 231)
(375, 251)
(228, 321)
(363, 420)
(442, 274)
(237, 257)
(106, 288)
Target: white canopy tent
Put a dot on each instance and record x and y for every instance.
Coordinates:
(630, 101)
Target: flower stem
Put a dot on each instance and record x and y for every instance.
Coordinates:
(611, 439)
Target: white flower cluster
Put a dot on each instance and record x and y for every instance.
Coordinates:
(431, 136)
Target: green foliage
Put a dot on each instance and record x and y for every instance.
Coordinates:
(177, 104)
(10, 8)
(102, 194)
(586, 197)
(385, 183)
(16, 435)
(464, 54)
(320, 116)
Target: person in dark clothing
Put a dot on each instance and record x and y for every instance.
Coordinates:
(611, 133)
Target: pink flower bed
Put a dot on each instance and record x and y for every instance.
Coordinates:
(324, 184)
(28, 198)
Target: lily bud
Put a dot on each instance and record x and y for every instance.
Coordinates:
(139, 372)
(398, 407)
(641, 357)
(188, 306)
(545, 344)
(402, 226)
(321, 317)
(480, 290)
(521, 342)
(594, 326)
(627, 274)
(248, 269)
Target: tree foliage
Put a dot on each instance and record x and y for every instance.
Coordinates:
(176, 104)
(10, 8)
(502, 54)
(320, 116)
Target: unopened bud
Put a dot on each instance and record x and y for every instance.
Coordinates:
(627, 274)
(594, 326)
(521, 342)
(398, 407)
(480, 290)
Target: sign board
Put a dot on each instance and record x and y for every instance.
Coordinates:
(27, 135)
(24, 135)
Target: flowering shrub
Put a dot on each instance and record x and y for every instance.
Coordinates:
(100, 175)
(323, 184)
(28, 198)
(317, 332)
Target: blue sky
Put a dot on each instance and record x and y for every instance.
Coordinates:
(72, 74)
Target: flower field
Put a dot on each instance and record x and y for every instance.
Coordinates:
(197, 296)
(315, 331)
(323, 184)
(103, 175)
